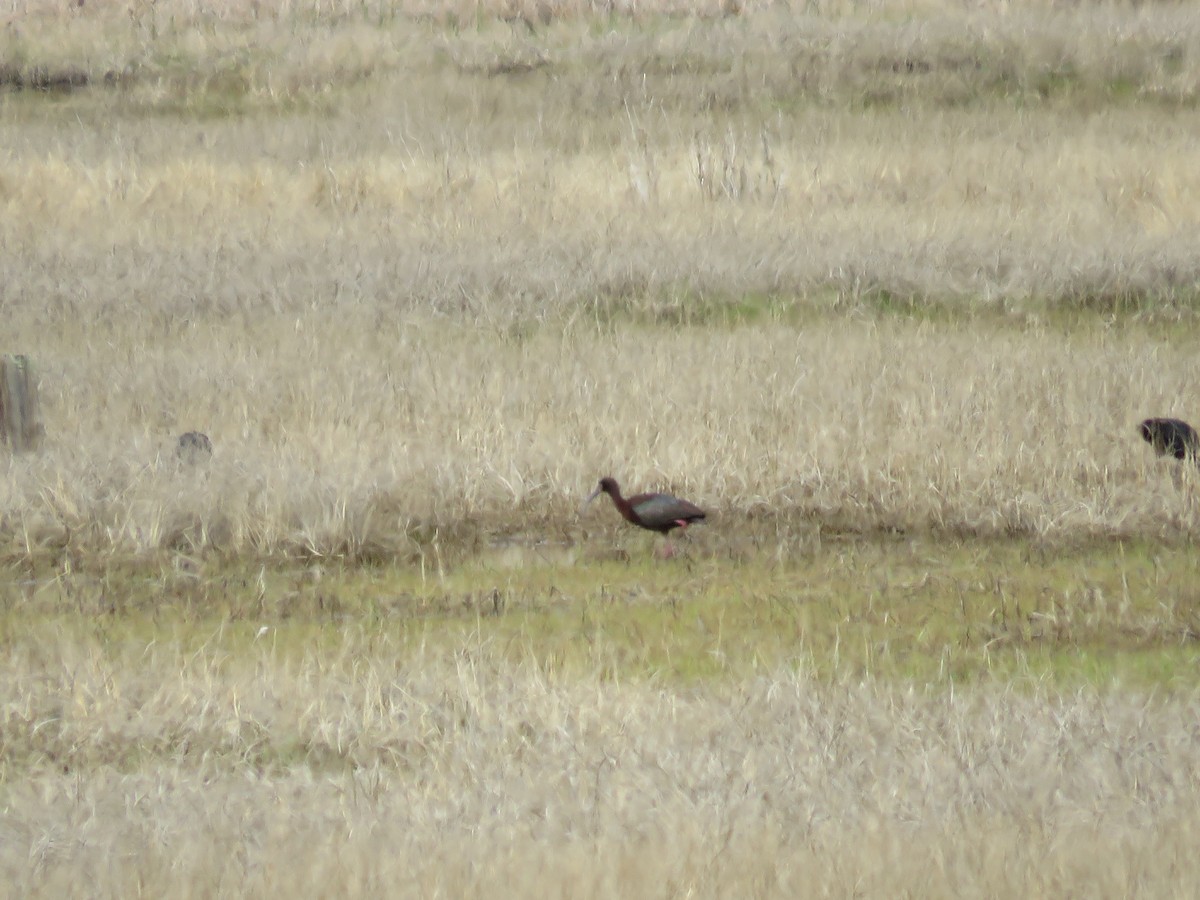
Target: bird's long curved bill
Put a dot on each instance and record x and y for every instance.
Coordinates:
(592, 496)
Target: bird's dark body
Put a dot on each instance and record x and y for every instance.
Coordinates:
(1171, 437)
(661, 512)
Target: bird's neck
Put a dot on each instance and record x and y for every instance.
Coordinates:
(624, 508)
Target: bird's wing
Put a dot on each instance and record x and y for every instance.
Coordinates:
(660, 509)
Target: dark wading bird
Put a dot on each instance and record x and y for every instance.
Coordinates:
(1171, 437)
(654, 512)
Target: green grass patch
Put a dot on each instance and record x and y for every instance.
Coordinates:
(920, 611)
(1173, 312)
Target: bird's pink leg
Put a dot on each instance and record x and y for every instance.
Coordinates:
(669, 551)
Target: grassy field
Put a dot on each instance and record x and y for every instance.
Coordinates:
(886, 288)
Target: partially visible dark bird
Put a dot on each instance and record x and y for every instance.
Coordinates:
(194, 447)
(654, 512)
(1171, 437)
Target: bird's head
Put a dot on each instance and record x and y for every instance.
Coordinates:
(606, 486)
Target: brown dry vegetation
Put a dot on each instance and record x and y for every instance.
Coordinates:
(335, 436)
(424, 299)
(363, 768)
(885, 286)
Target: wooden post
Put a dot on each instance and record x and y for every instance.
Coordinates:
(20, 414)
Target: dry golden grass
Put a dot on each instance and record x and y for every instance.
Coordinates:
(363, 768)
(407, 288)
(340, 436)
